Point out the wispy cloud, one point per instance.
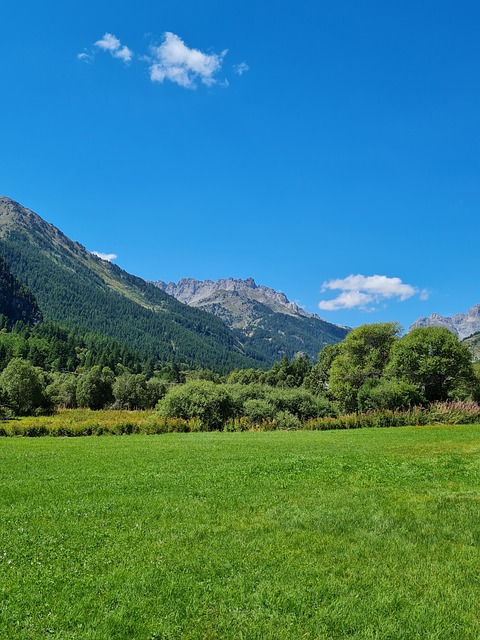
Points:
(173, 60)
(241, 68)
(112, 44)
(358, 291)
(86, 56)
(105, 256)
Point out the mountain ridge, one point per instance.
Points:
(76, 287)
(463, 325)
(192, 291)
(223, 328)
(263, 316)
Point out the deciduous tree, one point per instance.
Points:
(363, 355)
(433, 359)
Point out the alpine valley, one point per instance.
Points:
(266, 320)
(220, 326)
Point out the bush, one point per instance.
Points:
(241, 393)
(87, 423)
(300, 403)
(23, 387)
(156, 390)
(287, 421)
(388, 394)
(62, 390)
(130, 391)
(433, 359)
(258, 411)
(202, 399)
(94, 388)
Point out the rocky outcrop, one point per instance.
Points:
(463, 324)
(205, 292)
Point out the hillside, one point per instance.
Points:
(473, 343)
(76, 288)
(463, 324)
(17, 303)
(263, 318)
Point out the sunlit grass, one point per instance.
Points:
(345, 534)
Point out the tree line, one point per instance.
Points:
(374, 368)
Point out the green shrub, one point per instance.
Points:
(241, 424)
(258, 411)
(23, 387)
(300, 403)
(62, 390)
(287, 421)
(94, 388)
(433, 359)
(388, 394)
(241, 393)
(202, 399)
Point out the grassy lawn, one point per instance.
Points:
(369, 533)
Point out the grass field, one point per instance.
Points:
(342, 534)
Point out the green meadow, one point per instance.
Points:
(370, 533)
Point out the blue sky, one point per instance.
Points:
(300, 143)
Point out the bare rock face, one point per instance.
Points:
(205, 293)
(463, 324)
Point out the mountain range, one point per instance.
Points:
(76, 288)
(221, 325)
(463, 324)
(264, 318)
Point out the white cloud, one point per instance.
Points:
(347, 300)
(105, 256)
(124, 53)
(174, 61)
(108, 43)
(424, 294)
(111, 43)
(85, 57)
(241, 68)
(381, 285)
(361, 292)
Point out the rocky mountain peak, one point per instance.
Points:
(463, 324)
(195, 292)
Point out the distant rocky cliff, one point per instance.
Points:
(463, 324)
(206, 292)
(264, 316)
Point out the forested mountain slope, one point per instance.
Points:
(473, 343)
(16, 301)
(76, 288)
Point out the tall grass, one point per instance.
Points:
(85, 422)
